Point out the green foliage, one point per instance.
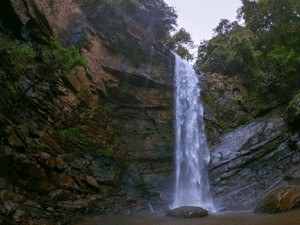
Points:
(232, 51)
(72, 133)
(265, 52)
(180, 42)
(295, 102)
(25, 60)
(58, 58)
(21, 58)
(42, 146)
(108, 152)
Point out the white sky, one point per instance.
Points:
(199, 17)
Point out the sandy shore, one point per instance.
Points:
(229, 218)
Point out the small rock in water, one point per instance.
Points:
(188, 212)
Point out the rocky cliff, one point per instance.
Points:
(99, 140)
(254, 148)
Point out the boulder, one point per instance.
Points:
(280, 199)
(188, 212)
(92, 181)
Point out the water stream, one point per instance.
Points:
(192, 152)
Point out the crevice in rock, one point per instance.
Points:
(9, 19)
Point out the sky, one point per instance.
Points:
(199, 17)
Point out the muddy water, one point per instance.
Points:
(288, 218)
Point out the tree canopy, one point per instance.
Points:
(265, 51)
(179, 42)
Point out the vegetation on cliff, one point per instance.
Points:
(264, 52)
(139, 28)
(38, 63)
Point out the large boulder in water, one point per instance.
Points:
(280, 199)
(188, 212)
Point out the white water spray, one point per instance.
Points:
(192, 152)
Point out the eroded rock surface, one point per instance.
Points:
(253, 149)
(280, 199)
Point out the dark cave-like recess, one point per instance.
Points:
(8, 17)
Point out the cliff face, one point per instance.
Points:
(97, 140)
(254, 147)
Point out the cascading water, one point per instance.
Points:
(192, 152)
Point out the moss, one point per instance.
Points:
(295, 103)
(209, 125)
(109, 152)
(293, 112)
(155, 76)
(42, 146)
(76, 135)
(39, 62)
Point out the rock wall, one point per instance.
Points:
(99, 140)
(253, 148)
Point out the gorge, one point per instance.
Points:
(87, 114)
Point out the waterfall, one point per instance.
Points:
(192, 152)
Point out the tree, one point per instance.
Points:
(276, 21)
(266, 51)
(230, 51)
(180, 42)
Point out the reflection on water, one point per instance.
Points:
(288, 218)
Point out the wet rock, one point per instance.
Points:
(66, 181)
(6, 221)
(51, 162)
(280, 200)
(43, 157)
(55, 163)
(3, 183)
(103, 172)
(19, 215)
(80, 204)
(8, 207)
(80, 164)
(39, 222)
(22, 132)
(60, 195)
(249, 160)
(16, 142)
(36, 171)
(92, 181)
(51, 142)
(60, 163)
(188, 212)
(130, 199)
